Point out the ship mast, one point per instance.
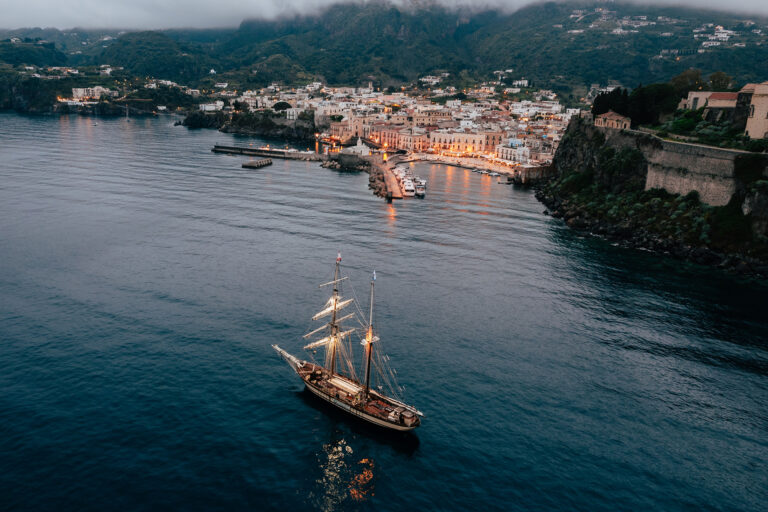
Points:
(333, 351)
(334, 324)
(369, 341)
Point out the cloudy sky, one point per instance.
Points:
(225, 13)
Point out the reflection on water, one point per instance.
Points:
(344, 475)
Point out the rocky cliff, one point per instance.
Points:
(259, 124)
(702, 204)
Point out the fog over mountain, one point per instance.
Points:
(155, 14)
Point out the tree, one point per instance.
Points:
(280, 106)
(647, 104)
(616, 100)
(688, 80)
(719, 81)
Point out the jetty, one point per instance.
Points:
(257, 164)
(288, 154)
(393, 186)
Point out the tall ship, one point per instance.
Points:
(336, 380)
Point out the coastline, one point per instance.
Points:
(631, 237)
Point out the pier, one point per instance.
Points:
(393, 186)
(287, 154)
(257, 164)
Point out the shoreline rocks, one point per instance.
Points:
(626, 236)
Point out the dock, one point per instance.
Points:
(257, 164)
(287, 154)
(393, 186)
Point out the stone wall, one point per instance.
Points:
(680, 168)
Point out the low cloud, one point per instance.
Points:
(155, 14)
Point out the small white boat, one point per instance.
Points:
(408, 189)
(420, 191)
(494, 174)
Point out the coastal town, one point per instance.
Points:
(472, 127)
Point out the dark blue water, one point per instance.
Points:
(143, 279)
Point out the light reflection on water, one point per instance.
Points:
(344, 476)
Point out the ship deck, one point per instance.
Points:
(351, 394)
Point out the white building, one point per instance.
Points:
(212, 107)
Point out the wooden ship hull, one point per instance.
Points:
(348, 396)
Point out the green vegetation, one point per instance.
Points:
(27, 94)
(199, 119)
(280, 106)
(171, 97)
(152, 54)
(31, 54)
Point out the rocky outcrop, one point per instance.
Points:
(603, 186)
(347, 163)
(258, 124)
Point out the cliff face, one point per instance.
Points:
(618, 166)
(694, 202)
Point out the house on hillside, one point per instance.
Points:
(695, 100)
(613, 120)
(720, 105)
(757, 119)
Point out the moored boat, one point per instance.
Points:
(409, 190)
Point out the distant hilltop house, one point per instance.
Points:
(613, 120)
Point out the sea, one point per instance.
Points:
(144, 279)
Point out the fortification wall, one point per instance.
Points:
(680, 168)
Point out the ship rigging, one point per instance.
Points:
(336, 381)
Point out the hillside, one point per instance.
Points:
(30, 53)
(157, 55)
(569, 43)
(562, 45)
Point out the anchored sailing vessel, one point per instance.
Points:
(336, 381)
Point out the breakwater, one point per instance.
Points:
(272, 153)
